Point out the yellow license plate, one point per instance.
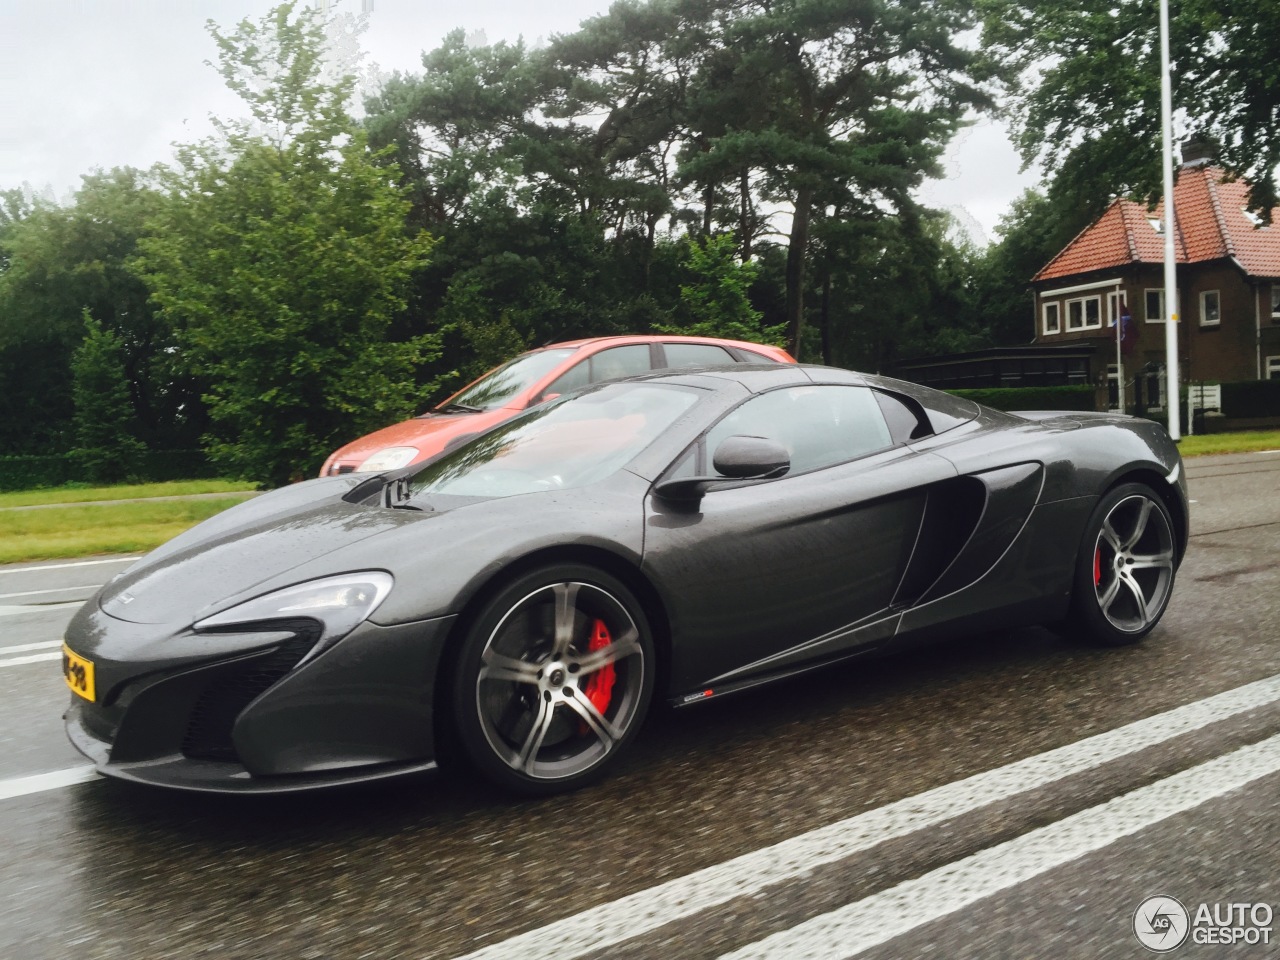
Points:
(78, 672)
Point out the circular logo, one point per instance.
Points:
(1161, 924)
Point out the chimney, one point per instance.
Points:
(1198, 152)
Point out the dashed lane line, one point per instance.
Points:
(28, 647)
(877, 919)
(38, 593)
(67, 566)
(24, 786)
(30, 658)
(640, 913)
(18, 610)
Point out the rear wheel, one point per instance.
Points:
(553, 679)
(1125, 571)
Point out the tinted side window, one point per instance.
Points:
(819, 425)
(695, 354)
(906, 419)
(620, 362)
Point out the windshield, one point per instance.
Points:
(513, 377)
(563, 444)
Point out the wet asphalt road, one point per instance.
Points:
(430, 867)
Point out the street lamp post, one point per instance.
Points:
(1170, 262)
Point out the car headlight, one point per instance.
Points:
(339, 603)
(390, 458)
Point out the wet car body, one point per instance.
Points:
(967, 519)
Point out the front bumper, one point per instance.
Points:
(235, 713)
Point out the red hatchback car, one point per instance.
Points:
(530, 379)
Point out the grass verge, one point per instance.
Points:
(130, 491)
(63, 532)
(1202, 445)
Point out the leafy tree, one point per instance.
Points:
(716, 302)
(1089, 104)
(106, 449)
(59, 261)
(283, 258)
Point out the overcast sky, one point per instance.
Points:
(87, 84)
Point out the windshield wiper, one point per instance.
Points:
(459, 408)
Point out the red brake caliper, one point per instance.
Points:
(600, 685)
(1097, 566)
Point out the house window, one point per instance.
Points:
(1084, 314)
(1053, 316)
(1155, 305)
(1210, 309)
(1273, 368)
(1275, 303)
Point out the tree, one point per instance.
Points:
(715, 303)
(106, 450)
(59, 261)
(851, 104)
(282, 259)
(1088, 107)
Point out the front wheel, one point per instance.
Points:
(1125, 570)
(553, 679)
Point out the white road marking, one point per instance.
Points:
(22, 786)
(67, 566)
(27, 647)
(30, 658)
(14, 611)
(635, 915)
(877, 919)
(36, 593)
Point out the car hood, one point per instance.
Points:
(430, 433)
(226, 560)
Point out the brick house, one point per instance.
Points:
(1228, 288)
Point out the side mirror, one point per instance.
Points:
(746, 458)
(737, 458)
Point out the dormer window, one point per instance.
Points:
(1156, 225)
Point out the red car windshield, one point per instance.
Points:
(512, 378)
(559, 445)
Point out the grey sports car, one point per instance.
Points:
(524, 598)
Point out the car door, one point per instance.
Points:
(762, 577)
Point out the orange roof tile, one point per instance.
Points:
(1211, 225)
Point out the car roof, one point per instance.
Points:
(758, 377)
(623, 339)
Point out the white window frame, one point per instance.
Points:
(1057, 317)
(1204, 312)
(1159, 292)
(1271, 369)
(1084, 313)
(1113, 307)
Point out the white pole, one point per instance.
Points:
(1115, 304)
(1170, 255)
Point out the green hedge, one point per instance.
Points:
(1032, 398)
(1251, 398)
(28, 473)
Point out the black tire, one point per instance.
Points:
(553, 679)
(1125, 568)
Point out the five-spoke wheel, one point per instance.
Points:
(1125, 572)
(553, 679)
